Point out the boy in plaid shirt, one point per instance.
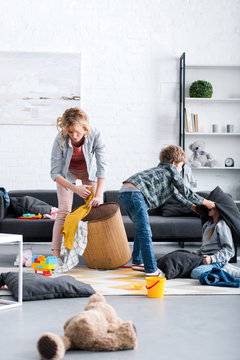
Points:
(148, 190)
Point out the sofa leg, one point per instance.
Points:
(181, 244)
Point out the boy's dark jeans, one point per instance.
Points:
(134, 204)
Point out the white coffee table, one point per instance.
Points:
(8, 239)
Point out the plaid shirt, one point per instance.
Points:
(158, 184)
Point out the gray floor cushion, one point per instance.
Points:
(178, 263)
(39, 287)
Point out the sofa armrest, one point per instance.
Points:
(3, 210)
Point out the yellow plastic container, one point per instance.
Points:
(155, 286)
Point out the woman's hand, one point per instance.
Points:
(82, 191)
(95, 202)
(207, 260)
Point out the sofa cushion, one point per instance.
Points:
(39, 287)
(169, 228)
(176, 227)
(178, 263)
(172, 207)
(32, 230)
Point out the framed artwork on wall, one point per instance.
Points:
(37, 87)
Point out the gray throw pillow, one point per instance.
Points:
(39, 287)
(28, 204)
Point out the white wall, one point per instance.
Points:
(130, 57)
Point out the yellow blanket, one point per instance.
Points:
(71, 222)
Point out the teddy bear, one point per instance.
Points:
(97, 328)
(200, 157)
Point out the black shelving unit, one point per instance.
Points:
(227, 141)
(182, 102)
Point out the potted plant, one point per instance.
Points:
(201, 89)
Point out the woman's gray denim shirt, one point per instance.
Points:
(94, 153)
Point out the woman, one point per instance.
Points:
(78, 153)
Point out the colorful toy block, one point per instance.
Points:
(30, 216)
(43, 265)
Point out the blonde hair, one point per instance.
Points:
(172, 153)
(71, 117)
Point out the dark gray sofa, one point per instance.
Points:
(179, 229)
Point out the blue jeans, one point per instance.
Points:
(199, 270)
(134, 204)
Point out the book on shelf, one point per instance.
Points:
(188, 120)
(191, 121)
(193, 125)
(196, 122)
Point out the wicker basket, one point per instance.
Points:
(107, 246)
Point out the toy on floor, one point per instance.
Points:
(26, 258)
(97, 328)
(43, 265)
